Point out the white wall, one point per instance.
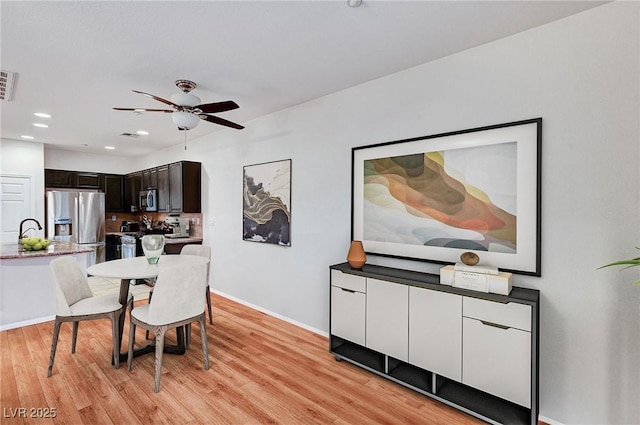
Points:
(580, 75)
(77, 161)
(23, 158)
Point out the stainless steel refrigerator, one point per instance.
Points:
(77, 217)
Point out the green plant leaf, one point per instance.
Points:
(633, 262)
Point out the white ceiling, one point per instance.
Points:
(78, 59)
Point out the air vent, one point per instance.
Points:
(6, 85)
(130, 134)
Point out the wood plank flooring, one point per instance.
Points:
(263, 371)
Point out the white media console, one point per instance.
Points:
(475, 351)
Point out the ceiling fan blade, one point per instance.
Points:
(212, 108)
(159, 99)
(144, 110)
(221, 121)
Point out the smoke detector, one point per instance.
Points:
(7, 80)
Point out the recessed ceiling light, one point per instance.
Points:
(28, 137)
(142, 132)
(109, 147)
(42, 115)
(37, 124)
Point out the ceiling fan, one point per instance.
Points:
(187, 110)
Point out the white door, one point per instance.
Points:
(15, 205)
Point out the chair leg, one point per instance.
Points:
(187, 335)
(124, 311)
(146, 334)
(74, 337)
(115, 335)
(205, 345)
(132, 332)
(54, 344)
(209, 305)
(160, 331)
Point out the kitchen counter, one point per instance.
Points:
(187, 240)
(167, 241)
(27, 293)
(15, 251)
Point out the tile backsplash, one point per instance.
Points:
(111, 225)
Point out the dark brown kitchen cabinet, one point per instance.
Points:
(59, 178)
(72, 179)
(163, 189)
(185, 187)
(114, 192)
(149, 179)
(175, 187)
(86, 180)
(132, 188)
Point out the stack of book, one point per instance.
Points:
(477, 278)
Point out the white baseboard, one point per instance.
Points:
(549, 421)
(271, 313)
(27, 323)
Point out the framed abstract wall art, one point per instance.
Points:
(433, 198)
(266, 207)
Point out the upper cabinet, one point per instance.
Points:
(71, 179)
(114, 192)
(149, 179)
(178, 185)
(163, 188)
(132, 188)
(185, 187)
(59, 178)
(86, 180)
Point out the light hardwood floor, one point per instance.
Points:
(263, 371)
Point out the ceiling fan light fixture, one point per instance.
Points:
(185, 120)
(185, 99)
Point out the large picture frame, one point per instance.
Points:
(266, 206)
(433, 198)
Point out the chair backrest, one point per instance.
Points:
(70, 283)
(178, 294)
(201, 250)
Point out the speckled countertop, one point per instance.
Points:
(190, 239)
(15, 251)
(167, 241)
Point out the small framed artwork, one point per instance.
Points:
(436, 197)
(266, 206)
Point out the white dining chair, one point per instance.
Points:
(178, 300)
(76, 302)
(202, 251)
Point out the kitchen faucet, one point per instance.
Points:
(22, 222)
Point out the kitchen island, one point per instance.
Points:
(26, 283)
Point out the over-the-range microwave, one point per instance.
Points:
(149, 200)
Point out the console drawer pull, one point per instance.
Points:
(494, 325)
(348, 290)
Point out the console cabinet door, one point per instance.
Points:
(496, 353)
(347, 314)
(387, 324)
(435, 332)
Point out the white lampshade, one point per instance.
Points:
(185, 120)
(185, 99)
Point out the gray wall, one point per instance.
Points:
(580, 75)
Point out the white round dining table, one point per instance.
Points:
(139, 268)
(127, 269)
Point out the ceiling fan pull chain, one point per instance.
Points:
(185, 139)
